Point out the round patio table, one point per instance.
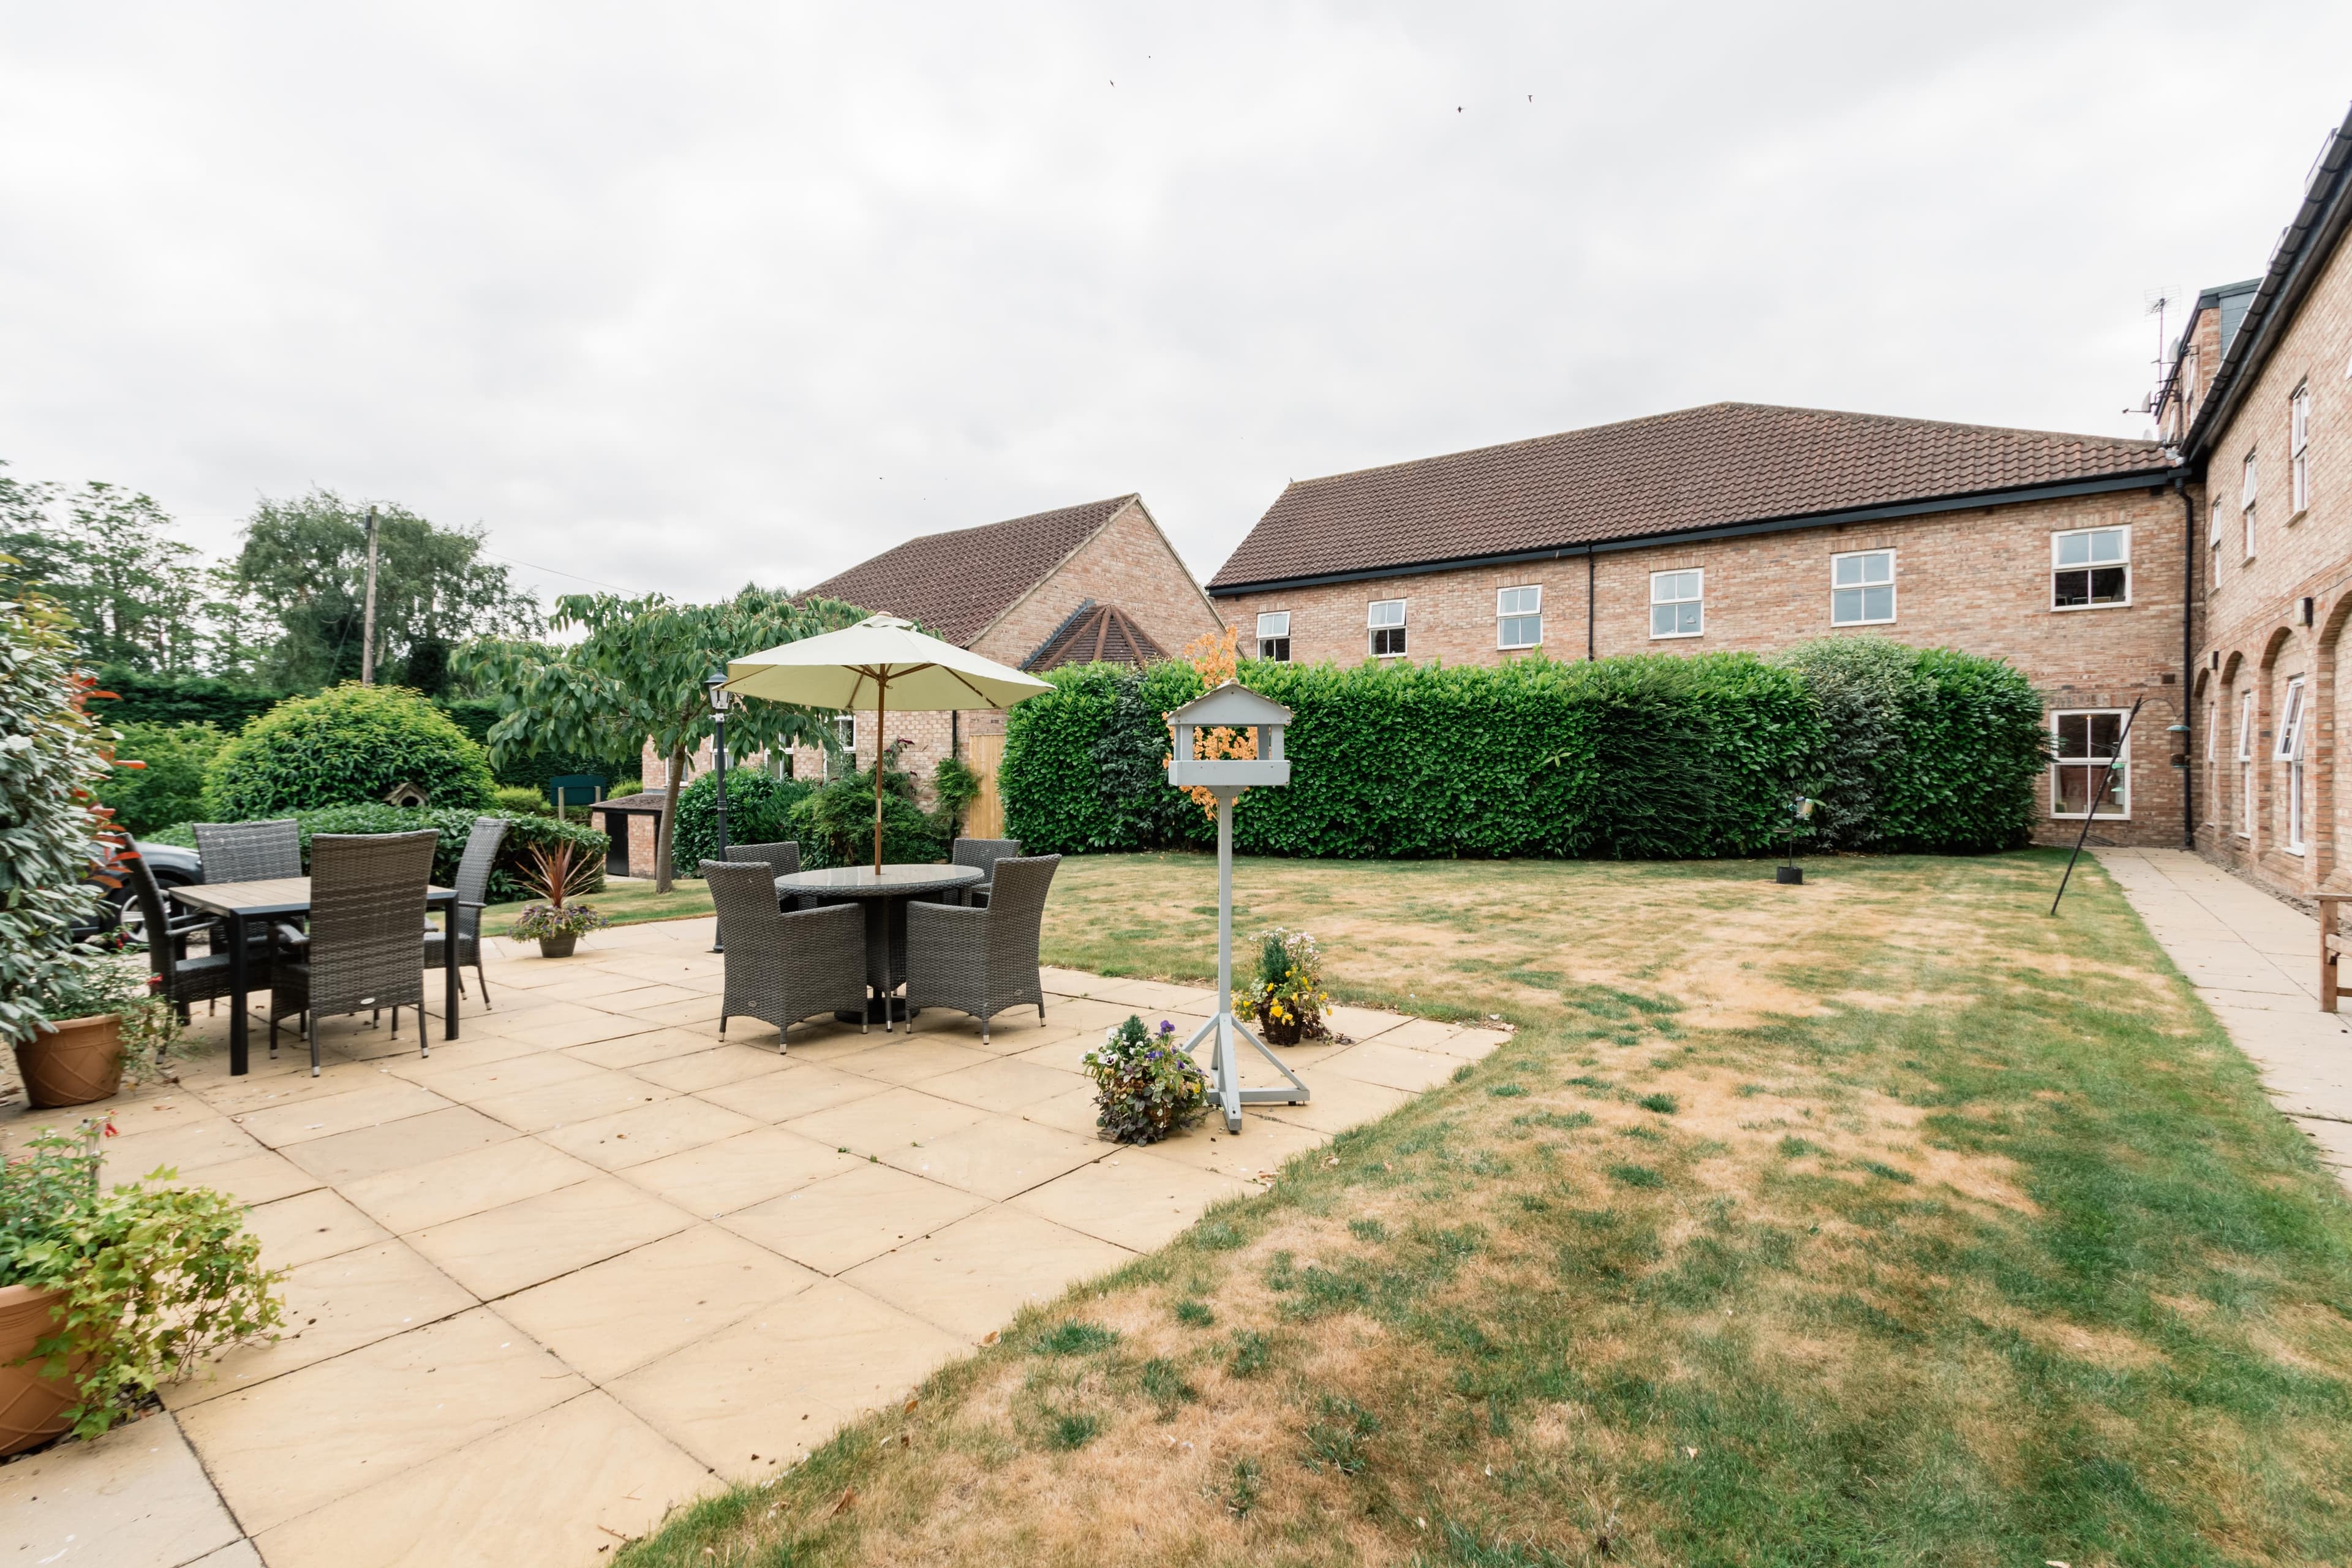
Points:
(885, 896)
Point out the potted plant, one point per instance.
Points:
(1288, 999)
(104, 1297)
(1145, 1086)
(95, 1013)
(556, 874)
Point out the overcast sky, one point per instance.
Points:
(673, 297)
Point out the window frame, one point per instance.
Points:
(2298, 450)
(2122, 603)
(2212, 763)
(2248, 494)
(1261, 640)
(1375, 627)
(1894, 600)
(1504, 617)
(2059, 762)
(2288, 747)
(1699, 598)
(2245, 761)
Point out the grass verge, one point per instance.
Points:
(623, 903)
(1885, 1220)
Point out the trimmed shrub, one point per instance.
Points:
(1649, 756)
(171, 788)
(759, 811)
(1930, 748)
(453, 824)
(141, 697)
(349, 745)
(519, 800)
(835, 824)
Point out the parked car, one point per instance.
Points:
(172, 866)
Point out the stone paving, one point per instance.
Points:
(2254, 961)
(589, 1261)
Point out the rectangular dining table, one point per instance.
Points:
(279, 897)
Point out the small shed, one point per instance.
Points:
(633, 824)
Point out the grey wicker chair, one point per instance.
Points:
(982, 960)
(473, 897)
(983, 853)
(180, 979)
(367, 900)
(249, 851)
(783, 968)
(783, 859)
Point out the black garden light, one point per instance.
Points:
(1800, 812)
(715, 683)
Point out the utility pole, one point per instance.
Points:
(367, 644)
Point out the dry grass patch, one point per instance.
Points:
(1972, 1258)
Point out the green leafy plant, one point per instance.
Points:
(1288, 997)
(954, 786)
(348, 745)
(759, 811)
(1145, 1087)
(834, 825)
(521, 800)
(154, 1278)
(52, 755)
(159, 774)
(557, 875)
(97, 983)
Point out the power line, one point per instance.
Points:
(536, 567)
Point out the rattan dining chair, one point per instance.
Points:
(473, 897)
(782, 858)
(983, 853)
(784, 967)
(367, 897)
(249, 851)
(982, 960)
(178, 978)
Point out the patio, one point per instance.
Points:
(586, 1262)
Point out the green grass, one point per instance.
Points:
(623, 903)
(1968, 1239)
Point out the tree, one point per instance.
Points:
(304, 563)
(139, 598)
(637, 674)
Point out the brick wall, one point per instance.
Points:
(2253, 636)
(1977, 579)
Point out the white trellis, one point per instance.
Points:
(1234, 707)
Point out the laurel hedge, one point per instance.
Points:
(1649, 756)
(524, 832)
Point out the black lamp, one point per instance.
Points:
(715, 683)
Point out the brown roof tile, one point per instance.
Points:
(1095, 634)
(954, 584)
(1699, 467)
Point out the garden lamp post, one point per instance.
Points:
(716, 684)
(1232, 706)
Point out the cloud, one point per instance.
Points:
(678, 297)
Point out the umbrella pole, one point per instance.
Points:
(881, 727)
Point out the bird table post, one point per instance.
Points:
(1232, 706)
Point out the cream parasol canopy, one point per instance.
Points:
(882, 663)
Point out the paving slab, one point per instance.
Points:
(135, 1497)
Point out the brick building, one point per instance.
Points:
(2258, 405)
(1739, 527)
(1093, 582)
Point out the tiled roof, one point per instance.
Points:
(955, 584)
(1095, 634)
(1723, 464)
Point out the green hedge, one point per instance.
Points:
(169, 787)
(1649, 756)
(350, 745)
(759, 811)
(144, 699)
(453, 824)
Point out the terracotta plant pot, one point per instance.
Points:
(1275, 1031)
(79, 1062)
(31, 1406)
(558, 946)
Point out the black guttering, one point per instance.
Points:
(2144, 478)
(2302, 250)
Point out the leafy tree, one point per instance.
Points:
(139, 598)
(637, 674)
(304, 563)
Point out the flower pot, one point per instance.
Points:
(558, 946)
(81, 1060)
(32, 1407)
(1277, 1031)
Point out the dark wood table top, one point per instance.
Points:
(275, 896)
(894, 882)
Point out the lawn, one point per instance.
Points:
(1883, 1220)
(626, 903)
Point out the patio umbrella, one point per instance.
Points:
(884, 662)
